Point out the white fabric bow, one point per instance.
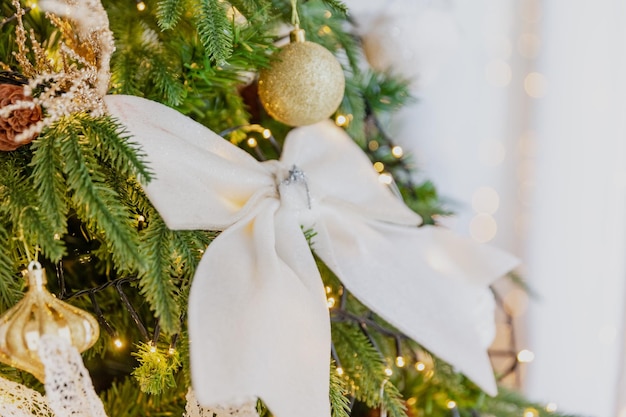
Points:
(258, 318)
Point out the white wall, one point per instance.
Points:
(532, 105)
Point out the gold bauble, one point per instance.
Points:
(41, 313)
(304, 85)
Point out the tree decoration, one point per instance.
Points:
(20, 401)
(258, 314)
(75, 82)
(305, 82)
(39, 314)
(19, 120)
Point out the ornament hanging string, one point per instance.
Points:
(295, 18)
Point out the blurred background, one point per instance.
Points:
(521, 123)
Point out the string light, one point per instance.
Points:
(451, 404)
(373, 145)
(325, 30)
(118, 343)
(379, 167)
(57, 237)
(530, 412)
(330, 302)
(328, 289)
(171, 351)
(411, 401)
(525, 356)
(551, 407)
(341, 120)
(141, 6)
(420, 366)
(266, 133)
(397, 152)
(388, 371)
(400, 362)
(385, 178)
(339, 371)
(252, 142)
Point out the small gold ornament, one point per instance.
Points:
(304, 85)
(41, 313)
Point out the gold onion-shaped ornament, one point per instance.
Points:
(303, 85)
(41, 313)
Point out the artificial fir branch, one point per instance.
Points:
(337, 6)
(251, 9)
(339, 401)
(114, 147)
(143, 65)
(9, 282)
(157, 282)
(215, 30)
(126, 399)
(169, 13)
(95, 202)
(26, 223)
(157, 368)
(49, 180)
(364, 370)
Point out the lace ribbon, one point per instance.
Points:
(193, 409)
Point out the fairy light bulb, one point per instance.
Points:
(252, 142)
(339, 371)
(530, 412)
(379, 167)
(141, 6)
(388, 371)
(266, 133)
(400, 362)
(451, 404)
(117, 342)
(420, 366)
(39, 314)
(397, 152)
(525, 356)
(341, 120)
(551, 407)
(385, 178)
(171, 351)
(330, 302)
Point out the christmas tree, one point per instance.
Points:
(195, 250)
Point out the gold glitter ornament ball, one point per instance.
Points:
(304, 85)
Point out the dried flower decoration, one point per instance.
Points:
(16, 129)
(74, 81)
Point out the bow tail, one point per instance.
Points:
(259, 327)
(424, 281)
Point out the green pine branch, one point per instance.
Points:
(339, 401)
(10, 284)
(49, 181)
(365, 370)
(96, 203)
(26, 222)
(157, 368)
(215, 30)
(251, 8)
(169, 13)
(337, 5)
(157, 281)
(114, 147)
(126, 399)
